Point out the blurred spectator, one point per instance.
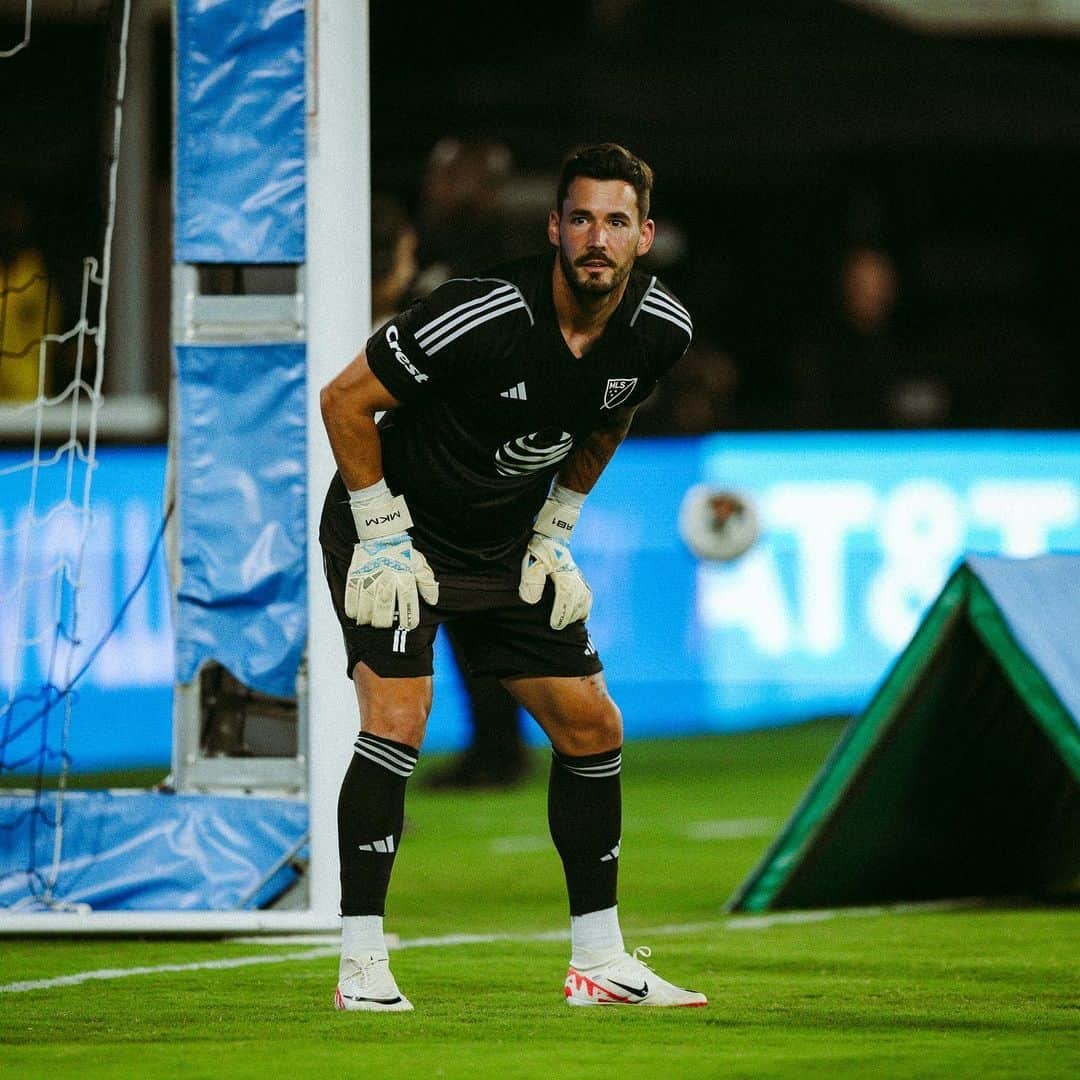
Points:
(696, 397)
(855, 369)
(29, 304)
(497, 755)
(463, 226)
(393, 257)
(989, 308)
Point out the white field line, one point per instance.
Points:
(733, 828)
(799, 918)
(202, 965)
(515, 845)
(392, 940)
(722, 829)
(755, 922)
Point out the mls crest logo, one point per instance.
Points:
(617, 391)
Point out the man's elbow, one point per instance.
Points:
(330, 400)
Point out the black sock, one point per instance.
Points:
(585, 817)
(371, 812)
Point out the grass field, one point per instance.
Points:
(987, 992)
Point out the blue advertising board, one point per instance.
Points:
(859, 533)
(58, 609)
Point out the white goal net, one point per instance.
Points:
(74, 561)
(52, 362)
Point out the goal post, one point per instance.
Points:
(339, 304)
(327, 317)
(330, 307)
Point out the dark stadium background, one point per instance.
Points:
(782, 131)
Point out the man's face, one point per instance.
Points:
(599, 234)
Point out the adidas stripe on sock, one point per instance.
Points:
(395, 756)
(371, 814)
(585, 818)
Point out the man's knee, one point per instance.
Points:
(593, 732)
(397, 721)
(394, 709)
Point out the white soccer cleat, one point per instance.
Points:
(627, 981)
(366, 985)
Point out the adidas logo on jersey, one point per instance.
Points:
(386, 847)
(515, 393)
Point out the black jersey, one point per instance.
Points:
(493, 400)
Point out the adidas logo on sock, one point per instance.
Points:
(612, 855)
(385, 846)
(515, 393)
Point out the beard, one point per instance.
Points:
(585, 283)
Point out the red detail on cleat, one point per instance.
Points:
(338, 1003)
(602, 994)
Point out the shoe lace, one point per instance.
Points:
(641, 954)
(366, 967)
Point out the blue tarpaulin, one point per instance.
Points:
(240, 139)
(242, 599)
(1039, 599)
(145, 851)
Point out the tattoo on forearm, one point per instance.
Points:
(583, 467)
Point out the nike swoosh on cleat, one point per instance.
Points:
(633, 989)
(374, 1001)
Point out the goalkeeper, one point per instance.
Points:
(504, 397)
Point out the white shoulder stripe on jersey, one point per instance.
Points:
(655, 301)
(674, 306)
(637, 310)
(503, 287)
(498, 281)
(468, 305)
(663, 313)
(426, 340)
(515, 305)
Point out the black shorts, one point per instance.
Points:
(498, 634)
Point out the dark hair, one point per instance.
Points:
(607, 161)
(389, 222)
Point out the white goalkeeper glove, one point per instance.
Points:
(548, 555)
(387, 574)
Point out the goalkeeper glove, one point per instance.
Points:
(548, 555)
(387, 574)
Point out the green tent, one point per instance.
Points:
(962, 778)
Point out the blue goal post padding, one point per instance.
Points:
(150, 851)
(241, 499)
(240, 131)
